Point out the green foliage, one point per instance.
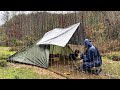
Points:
(5, 53)
(13, 40)
(3, 63)
(4, 39)
(16, 42)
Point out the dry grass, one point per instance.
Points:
(70, 72)
(110, 69)
(108, 46)
(41, 72)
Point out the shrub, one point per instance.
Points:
(3, 63)
(108, 46)
(115, 57)
(14, 49)
(19, 43)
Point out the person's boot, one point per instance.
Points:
(98, 71)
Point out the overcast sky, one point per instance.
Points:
(1, 14)
(1, 22)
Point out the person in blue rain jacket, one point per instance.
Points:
(91, 58)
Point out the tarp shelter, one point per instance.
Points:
(38, 53)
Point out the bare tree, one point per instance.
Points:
(6, 15)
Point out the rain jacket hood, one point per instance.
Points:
(88, 43)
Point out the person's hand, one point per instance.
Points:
(81, 61)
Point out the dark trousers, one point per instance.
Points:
(93, 70)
